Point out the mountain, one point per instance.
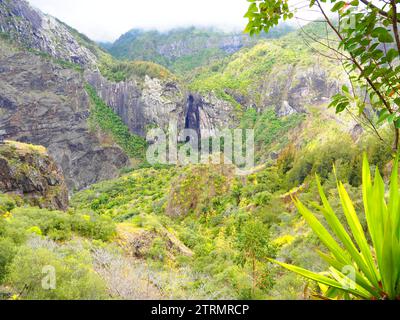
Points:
(46, 67)
(52, 65)
(77, 193)
(92, 112)
(41, 32)
(183, 49)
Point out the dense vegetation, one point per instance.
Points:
(244, 76)
(184, 49)
(33, 238)
(367, 45)
(368, 273)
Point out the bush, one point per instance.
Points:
(74, 277)
(58, 225)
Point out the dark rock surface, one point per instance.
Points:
(45, 104)
(29, 172)
(36, 30)
(150, 103)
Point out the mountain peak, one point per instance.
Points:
(38, 31)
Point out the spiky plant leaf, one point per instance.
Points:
(376, 266)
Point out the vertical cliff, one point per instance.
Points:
(44, 103)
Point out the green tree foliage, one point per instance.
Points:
(253, 242)
(183, 49)
(118, 71)
(27, 274)
(269, 128)
(33, 238)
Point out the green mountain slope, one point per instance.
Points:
(271, 72)
(183, 49)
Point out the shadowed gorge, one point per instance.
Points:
(192, 120)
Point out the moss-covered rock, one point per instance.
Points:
(28, 171)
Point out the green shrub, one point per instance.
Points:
(74, 276)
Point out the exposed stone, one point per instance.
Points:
(29, 172)
(153, 103)
(47, 105)
(356, 132)
(138, 242)
(42, 32)
(295, 88)
(207, 114)
(285, 110)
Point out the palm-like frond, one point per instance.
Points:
(376, 265)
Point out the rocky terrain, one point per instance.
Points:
(151, 103)
(45, 104)
(45, 66)
(42, 32)
(27, 171)
(183, 49)
(77, 193)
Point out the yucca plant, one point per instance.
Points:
(376, 262)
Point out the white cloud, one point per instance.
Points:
(105, 20)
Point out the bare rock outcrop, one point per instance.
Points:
(28, 171)
(141, 105)
(42, 32)
(46, 104)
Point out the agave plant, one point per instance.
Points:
(375, 263)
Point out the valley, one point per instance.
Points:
(77, 192)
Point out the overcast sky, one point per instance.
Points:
(106, 20)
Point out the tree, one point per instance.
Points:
(368, 46)
(253, 242)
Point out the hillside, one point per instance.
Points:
(47, 103)
(181, 50)
(274, 72)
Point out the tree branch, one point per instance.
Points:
(394, 22)
(360, 68)
(380, 11)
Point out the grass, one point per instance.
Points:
(26, 148)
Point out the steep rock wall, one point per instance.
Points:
(45, 104)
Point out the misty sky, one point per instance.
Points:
(106, 20)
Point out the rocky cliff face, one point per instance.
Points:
(182, 49)
(159, 103)
(142, 105)
(206, 114)
(43, 102)
(295, 88)
(176, 43)
(29, 172)
(42, 32)
(46, 104)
